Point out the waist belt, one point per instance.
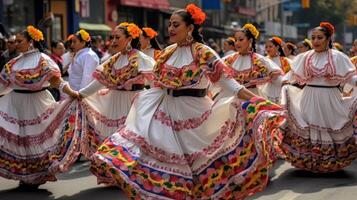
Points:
(30, 91)
(324, 86)
(187, 92)
(135, 87)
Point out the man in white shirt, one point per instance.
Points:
(84, 62)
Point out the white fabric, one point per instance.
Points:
(30, 60)
(270, 90)
(67, 59)
(145, 63)
(93, 87)
(21, 106)
(277, 61)
(230, 52)
(323, 110)
(105, 57)
(154, 113)
(82, 67)
(150, 52)
(104, 105)
(340, 62)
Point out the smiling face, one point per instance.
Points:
(242, 43)
(178, 30)
(271, 49)
(319, 40)
(120, 40)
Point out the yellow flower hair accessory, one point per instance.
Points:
(84, 35)
(251, 28)
(34, 33)
(133, 30)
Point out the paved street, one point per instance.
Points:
(286, 183)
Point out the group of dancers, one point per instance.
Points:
(177, 123)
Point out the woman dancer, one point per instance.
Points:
(148, 42)
(256, 72)
(176, 142)
(123, 75)
(274, 49)
(35, 131)
(319, 132)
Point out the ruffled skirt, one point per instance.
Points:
(320, 127)
(190, 148)
(37, 136)
(103, 113)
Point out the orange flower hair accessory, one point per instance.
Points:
(196, 13)
(251, 28)
(133, 30)
(328, 26)
(150, 32)
(277, 40)
(70, 37)
(84, 35)
(34, 33)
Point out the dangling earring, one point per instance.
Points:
(128, 48)
(30, 47)
(189, 37)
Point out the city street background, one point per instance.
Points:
(286, 183)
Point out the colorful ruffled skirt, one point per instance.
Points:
(319, 130)
(190, 148)
(38, 136)
(102, 114)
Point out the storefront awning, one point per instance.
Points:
(94, 27)
(153, 4)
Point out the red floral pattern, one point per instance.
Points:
(39, 138)
(28, 122)
(108, 122)
(328, 71)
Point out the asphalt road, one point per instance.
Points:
(286, 183)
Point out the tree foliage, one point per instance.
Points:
(334, 11)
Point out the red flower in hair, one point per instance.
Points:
(328, 26)
(196, 13)
(278, 40)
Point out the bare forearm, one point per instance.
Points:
(245, 94)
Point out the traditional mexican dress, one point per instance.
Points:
(178, 144)
(257, 73)
(320, 123)
(283, 62)
(153, 53)
(37, 134)
(104, 111)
